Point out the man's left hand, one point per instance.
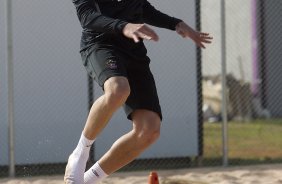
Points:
(198, 37)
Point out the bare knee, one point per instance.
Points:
(146, 127)
(117, 90)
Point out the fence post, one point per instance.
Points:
(10, 80)
(223, 79)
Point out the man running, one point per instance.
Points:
(114, 54)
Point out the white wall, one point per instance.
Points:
(51, 85)
(50, 82)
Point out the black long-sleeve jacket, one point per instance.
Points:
(113, 16)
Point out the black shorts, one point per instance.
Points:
(102, 63)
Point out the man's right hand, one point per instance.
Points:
(139, 31)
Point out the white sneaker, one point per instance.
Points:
(74, 173)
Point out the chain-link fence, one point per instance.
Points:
(53, 93)
(50, 87)
(253, 72)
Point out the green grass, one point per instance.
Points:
(255, 140)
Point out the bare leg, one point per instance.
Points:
(116, 92)
(146, 129)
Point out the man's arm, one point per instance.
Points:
(91, 19)
(156, 18)
(199, 38)
(159, 19)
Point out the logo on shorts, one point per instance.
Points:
(112, 64)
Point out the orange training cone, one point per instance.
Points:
(153, 178)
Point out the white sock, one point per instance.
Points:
(83, 145)
(77, 161)
(94, 174)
